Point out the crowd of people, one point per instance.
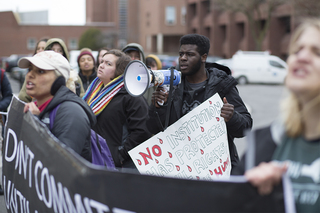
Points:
(96, 98)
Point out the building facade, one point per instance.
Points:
(155, 24)
(229, 32)
(17, 38)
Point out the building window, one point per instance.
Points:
(170, 15)
(31, 43)
(183, 15)
(73, 44)
(286, 23)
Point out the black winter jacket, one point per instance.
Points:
(262, 144)
(123, 124)
(87, 81)
(73, 121)
(220, 82)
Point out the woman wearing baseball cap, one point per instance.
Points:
(45, 81)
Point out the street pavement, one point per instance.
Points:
(262, 101)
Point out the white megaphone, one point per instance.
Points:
(138, 78)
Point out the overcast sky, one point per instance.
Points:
(61, 12)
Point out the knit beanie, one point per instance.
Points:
(85, 52)
(156, 58)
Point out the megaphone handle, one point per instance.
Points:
(169, 99)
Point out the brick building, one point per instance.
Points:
(156, 24)
(229, 32)
(18, 38)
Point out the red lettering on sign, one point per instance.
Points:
(225, 164)
(160, 140)
(218, 173)
(145, 156)
(156, 153)
(139, 162)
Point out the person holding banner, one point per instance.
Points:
(121, 118)
(200, 81)
(291, 145)
(45, 81)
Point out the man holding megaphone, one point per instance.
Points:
(200, 81)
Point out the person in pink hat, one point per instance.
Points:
(45, 82)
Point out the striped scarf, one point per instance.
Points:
(98, 96)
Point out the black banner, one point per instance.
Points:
(40, 174)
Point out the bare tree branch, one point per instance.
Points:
(258, 13)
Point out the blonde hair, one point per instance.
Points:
(292, 111)
(70, 82)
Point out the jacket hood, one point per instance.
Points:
(61, 42)
(137, 46)
(64, 94)
(218, 66)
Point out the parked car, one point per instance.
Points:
(213, 59)
(18, 74)
(168, 61)
(256, 67)
(12, 61)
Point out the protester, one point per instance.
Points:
(41, 45)
(154, 63)
(200, 81)
(135, 51)
(292, 145)
(101, 52)
(87, 71)
(74, 83)
(46, 80)
(22, 94)
(121, 118)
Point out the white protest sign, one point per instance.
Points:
(194, 147)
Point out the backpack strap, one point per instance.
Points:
(2, 74)
(97, 140)
(53, 115)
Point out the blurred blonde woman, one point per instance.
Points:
(293, 146)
